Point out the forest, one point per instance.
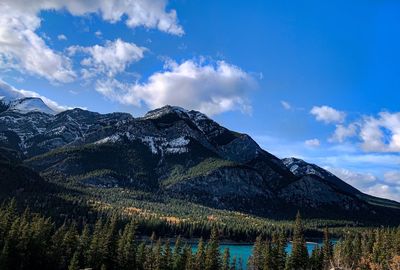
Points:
(32, 241)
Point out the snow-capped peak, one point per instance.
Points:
(30, 104)
(8, 93)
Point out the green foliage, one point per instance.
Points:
(212, 257)
(299, 257)
(206, 166)
(30, 241)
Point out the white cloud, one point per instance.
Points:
(110, 59)
(370, 184)
(149, 14)
(61, 37)
(385, 191)
(98, 33)
(211, 88)
(328, 114)
(392, 177)
(22, 49)
(382, 133)
(343, 132)
(11, 93)
(356, 179)
(312, 143)
(286, 105)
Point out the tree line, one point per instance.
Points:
(31, 241)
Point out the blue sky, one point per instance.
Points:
(310, 79)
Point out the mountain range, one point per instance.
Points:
(173, 152)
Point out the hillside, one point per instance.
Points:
(171, 154)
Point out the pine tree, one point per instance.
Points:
(327, 250)
(267, 256)
(70, 243)
(200, 255)
(257, 257)
(212, 260)
(233, 263)
(141, 256)
(5, 256)
(74, 263)
(126, 247)
(109, 241)
(176, 256)
(84, 246)
(149, 260)
(226, 260)
(278, 250)
(299, 257)
(316, 259)
(167, 263)
(158, 258)
(187, 251)
(95, 252)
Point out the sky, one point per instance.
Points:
(317, 80)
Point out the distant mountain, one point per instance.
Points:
(184, 155)
(29, 104)
(8, 93)
(13, 100)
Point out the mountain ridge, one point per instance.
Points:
(181, 154)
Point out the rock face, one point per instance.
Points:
(182, 154)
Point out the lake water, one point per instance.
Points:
(244, 251)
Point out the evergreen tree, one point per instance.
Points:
(84, 246)
(267, 256)
(226, 260)
(167, 264)
(141, 256)
(233, 263)
(5, 256)
(278, 250)
(158, 258)
(95, 254)
(74, 263)
(109, 242)
(188, 257)
(126, 247)
(212, 260)
(200, 255)
(316, 259)
(149, 263)
(327, 250)
(299, 257)
(176, 256)
(257, 261)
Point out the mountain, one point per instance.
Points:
(184, 155)
(8, 93)
(29, 104)
(13, 100)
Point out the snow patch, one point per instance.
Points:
(150, 141)
(177, 146)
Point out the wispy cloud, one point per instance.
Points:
(23, 50)
(312, 143)
(328, 114)
(112, 58)
(212, 88)
(286, 105)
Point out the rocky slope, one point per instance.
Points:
(181, 154)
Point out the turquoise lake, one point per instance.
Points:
(244, 251)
